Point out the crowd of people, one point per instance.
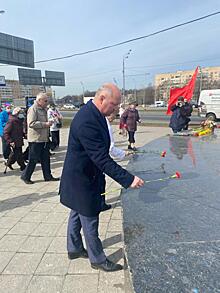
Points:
(37, 126)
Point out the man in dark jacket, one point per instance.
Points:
(186, 111)
(81, 184)
(13, 135)
(178, 119)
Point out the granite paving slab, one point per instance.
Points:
(171, 227)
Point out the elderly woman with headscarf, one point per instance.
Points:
(130, 118)
(13, 134)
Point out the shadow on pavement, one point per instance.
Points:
(111, 240)
(25, 200)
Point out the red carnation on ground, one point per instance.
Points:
(163, 154)
(178, 175)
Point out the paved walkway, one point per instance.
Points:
(33, 255)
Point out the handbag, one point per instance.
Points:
(59, 124)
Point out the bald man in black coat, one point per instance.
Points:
(86, 160)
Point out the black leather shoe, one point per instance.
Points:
(106, 207)
(22, 167)
(52, 179)
(107, 266)
(9, 166)
(74, 255)
(27, 181)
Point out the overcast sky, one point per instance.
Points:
(60, 28)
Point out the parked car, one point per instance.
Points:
(69, 106)
(160, 104)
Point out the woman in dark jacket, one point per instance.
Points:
(130, 118)
(13, 134)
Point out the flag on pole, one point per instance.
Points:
(186, 92)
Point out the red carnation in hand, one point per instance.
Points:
(163, 154)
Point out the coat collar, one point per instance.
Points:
(97, 113)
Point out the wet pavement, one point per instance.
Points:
(171, 227)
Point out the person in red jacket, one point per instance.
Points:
(13, 134)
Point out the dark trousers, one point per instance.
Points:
(26, 154)
(5, 149)
(90, 230)
(131, 137)
(38, 151)
(55, 136)
(16, 156)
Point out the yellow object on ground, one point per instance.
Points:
(203, 132)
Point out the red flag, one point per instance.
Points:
(191, 152)
(186, 92)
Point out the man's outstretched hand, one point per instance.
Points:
(137, 182)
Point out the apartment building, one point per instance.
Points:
(164, 81)
(14, 90)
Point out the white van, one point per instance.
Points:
(209, 104)
(159, 104)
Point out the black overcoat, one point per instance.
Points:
(86, 160)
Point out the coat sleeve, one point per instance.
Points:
(1, 128)
(173, 107)
(138, 117)
(124, 117)
(7, 132)
(32, 121)
(92, 141)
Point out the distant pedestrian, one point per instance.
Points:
(122, 129)
(4, 116)
(56, 118)
(38, 139)
(13, 135)
(130, 117)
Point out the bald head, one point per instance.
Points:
(107, 98)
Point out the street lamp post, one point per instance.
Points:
(123, 73)
(135, 90)
(82, 89)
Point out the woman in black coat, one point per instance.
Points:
(13, 134)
